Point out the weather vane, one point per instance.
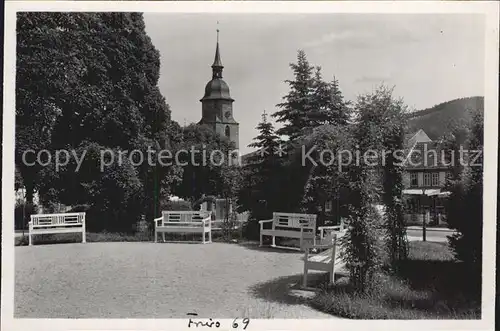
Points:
(217, 31)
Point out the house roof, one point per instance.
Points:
(247, 157)
(426, 155)
(411, 139)
(408, 137)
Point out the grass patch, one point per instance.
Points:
(431, 284)
(430, 251)
(59, 238)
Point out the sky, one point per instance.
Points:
(427, 58)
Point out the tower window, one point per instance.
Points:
(228, 131)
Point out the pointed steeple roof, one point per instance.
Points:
(217, 88)
(217, 61)
(217, 66)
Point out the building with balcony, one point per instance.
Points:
(426, 171)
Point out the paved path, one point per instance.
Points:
(147, 280)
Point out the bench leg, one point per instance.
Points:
(332, 274)
(332, 270)
(304, 279)
(84, 239)
(210, 236)
(163, 236)
(274, 241)
(30, 242)
(203, 236)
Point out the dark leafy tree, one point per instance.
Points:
(325, 148)
(45, 69)
(108, 61)
(363, 250)
(389, 116)
(201, 154)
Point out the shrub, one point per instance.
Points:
(79, 209)
(362, 248)
(430, 284)
(178, 205)
(230, 230)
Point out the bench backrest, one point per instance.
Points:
(184, 216)
(337, 234)
(41, 220)
(295, 221)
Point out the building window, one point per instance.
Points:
(413, 179)
(228, 131)
(328, 205)
(427, 179)
(435, 179)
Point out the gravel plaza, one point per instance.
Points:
(147, 280)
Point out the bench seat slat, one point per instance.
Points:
(287, 234)
(55, 230)
(75, 225)
(182, 230)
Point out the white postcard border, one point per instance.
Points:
(489, 9)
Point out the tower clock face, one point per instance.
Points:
(227, 114)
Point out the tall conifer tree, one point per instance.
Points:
(299, 101)
(259, 192)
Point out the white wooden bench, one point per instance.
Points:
(184, 222)
(325, 231)
(326, 260)
(56, 223)
(290, 225)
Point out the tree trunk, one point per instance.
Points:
(29, 193)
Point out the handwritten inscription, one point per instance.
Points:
(210, 323)
(245, 321)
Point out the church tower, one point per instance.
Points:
(217, 104)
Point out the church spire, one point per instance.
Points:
(217, 66)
